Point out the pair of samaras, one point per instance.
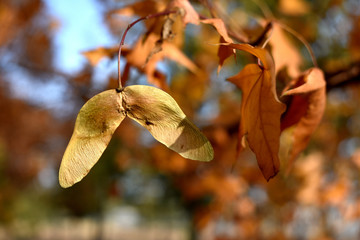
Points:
(153, 108)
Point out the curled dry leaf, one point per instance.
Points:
(144, 56)
(219, 25)
(94, 127)
(261, 109)
(312, 80)
(311, 94)
(159, 113)
(138, 58)
(153, 108)
(189, 15)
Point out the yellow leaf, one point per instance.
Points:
(159, 113)
(94, 127)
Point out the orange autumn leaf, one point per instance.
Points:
(284, 52)
(223, 51)
(294, 7)
(219, 25)
(223, 54)
(261, 109)
(312, 80)
(138, 57)
(96, 55)
(172, 52)
(164, 26)
(141, 8)
(295, 111)
(311, 94)
(188, 13)
(144, 56)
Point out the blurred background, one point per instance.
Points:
(140, 189)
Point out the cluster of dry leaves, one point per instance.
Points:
(266, 109)
(226, 200)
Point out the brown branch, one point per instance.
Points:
(343, 77)
(262, 36)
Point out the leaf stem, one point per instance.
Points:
(166, 12)
(269, 28)
(264, 8)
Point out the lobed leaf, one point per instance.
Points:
(260, 109)
(260, 117)
(94, 127)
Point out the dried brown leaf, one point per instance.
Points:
(188, 13)
(311, 94)
(96, 55)
(260, 109)
(311, 80)
(140, 8)
(220, 27)
(138, 58)
(284, 52)
(223, 51)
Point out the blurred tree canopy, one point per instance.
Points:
(139, 185)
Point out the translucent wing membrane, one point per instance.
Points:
(159, 113)
(94, 127)
(153, 108)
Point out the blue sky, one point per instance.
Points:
(81, 28)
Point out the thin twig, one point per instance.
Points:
(259, 39)
(342, 77)
(269, 27)
(264, 9)
(167, 12)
